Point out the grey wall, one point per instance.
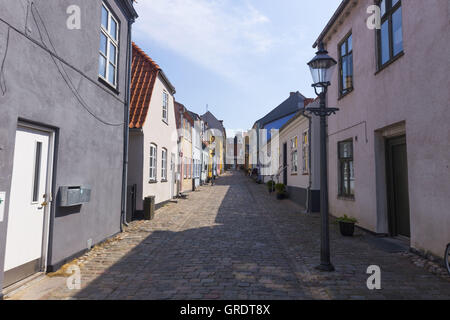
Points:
(88, 151)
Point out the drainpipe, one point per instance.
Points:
(126, 132)
(308, 196)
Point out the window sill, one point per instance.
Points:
(166, 122)
(109, 85)
(305, 174)
(343, 95)
(294, 174)
(153, 181)
(387, 64)
(346, 198)
(164, 180)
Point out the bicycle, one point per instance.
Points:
(447, 258)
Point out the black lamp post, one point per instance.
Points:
(322, 67)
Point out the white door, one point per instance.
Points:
(27, 206)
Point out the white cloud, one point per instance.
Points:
(220, 35)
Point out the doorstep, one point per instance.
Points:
(22, 285)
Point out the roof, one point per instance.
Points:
(180, 109)
(330, 23)
(144, 72)
(127, 6)
(289, 106)
(301, 112)
(194, 115)
(213, 122)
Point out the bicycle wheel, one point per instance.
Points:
(447, 258)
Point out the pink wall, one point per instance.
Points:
(414, 90)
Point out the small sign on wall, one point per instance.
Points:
(2, 205)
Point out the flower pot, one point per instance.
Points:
(347, 228)
(280, 196)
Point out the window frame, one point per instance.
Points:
(165, 107)
(109, 41)
(341, 57)
(163, 164)
(387, 16)
(153, 158)
(305, 152)
(341, 176)
(294, 151)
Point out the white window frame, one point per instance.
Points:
(163, 164)
(109, 41)
(165, 107)
(153, 164)
(294, 155)
(305, 152)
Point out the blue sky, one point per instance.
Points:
(241, 57)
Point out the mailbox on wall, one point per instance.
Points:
(73, 196)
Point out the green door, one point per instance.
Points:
(398, 195)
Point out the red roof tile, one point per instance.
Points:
(144, 73)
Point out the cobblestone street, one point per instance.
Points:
(235, 241)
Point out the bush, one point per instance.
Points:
(346, 219)
(280, 188)
(270, 184)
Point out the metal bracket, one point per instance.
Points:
(322, 111)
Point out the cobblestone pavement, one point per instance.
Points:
(235, 241)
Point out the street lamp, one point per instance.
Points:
(322, 67)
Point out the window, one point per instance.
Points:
(294, 155)
(37, 171)
(109, 43)
(305, 152)
(185, 168)
(189, 168)
(164, 164)
(390, 38)
(346, 66)
(346, 171)
(165, 107)
(187, 130)
(153, 153)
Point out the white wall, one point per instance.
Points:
(294, 129)
(164, 135)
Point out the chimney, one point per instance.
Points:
(293, 94)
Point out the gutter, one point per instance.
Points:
(126, 131)
(163, 75)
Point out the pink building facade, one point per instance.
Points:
(389, 145)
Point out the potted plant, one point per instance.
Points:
(347, 225)
(270, 185)
(280, 189)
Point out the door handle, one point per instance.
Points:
(45, 202)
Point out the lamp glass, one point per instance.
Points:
(322, 66)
